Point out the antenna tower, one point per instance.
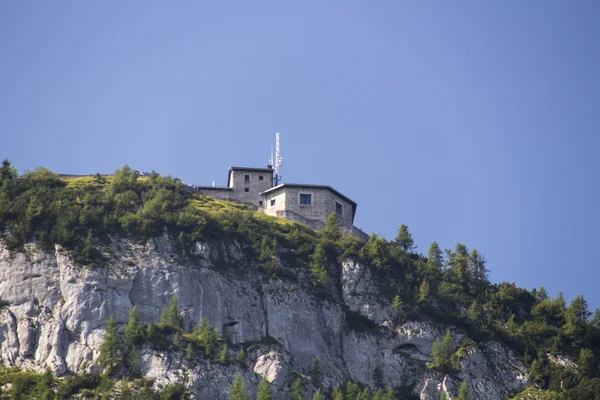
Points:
(278, 161)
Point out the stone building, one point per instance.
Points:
(307, 204)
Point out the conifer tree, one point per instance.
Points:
(442, 350)
(316, 372)
(479, 271)
(238, 391)
(424, 292)
(133, 327)
(404, 238)
(435, 258)
(189, 352)
(337, 394)
(317, 265)
(111, 348)
(224, 356)
(463, 392)
(170, 315)
(332, 229)
(318, 395)
(202, 331)
(264, 390)
(443, 395)
(241, 355)
(396, 303)
(7, 171)
(297, 389)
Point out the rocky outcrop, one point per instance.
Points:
(58, 311)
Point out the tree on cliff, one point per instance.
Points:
(238, 391)
(111, 350)
(170, 316)
(404, 239)
(317, 265)
(332, 229)
(264, 390)
(7, 171)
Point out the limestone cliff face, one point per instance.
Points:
(58, 311)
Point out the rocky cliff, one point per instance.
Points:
(58, 310)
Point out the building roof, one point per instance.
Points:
(302, 185)
(213, 187)
(250, 169)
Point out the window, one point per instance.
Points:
(260, 177)
(272, 202)
(246, 190)
(260, 203)
(338, 208)
(305, 199)
(246, 178)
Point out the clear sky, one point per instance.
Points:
(470, 121)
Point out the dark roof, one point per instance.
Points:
(267, 170)
(302, 185)
(213, 187)
(251, 169)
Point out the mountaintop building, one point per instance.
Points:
(308, 204)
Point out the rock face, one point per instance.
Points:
(58, 311)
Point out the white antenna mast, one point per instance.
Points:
(278, 160)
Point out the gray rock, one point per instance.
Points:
(58, 311)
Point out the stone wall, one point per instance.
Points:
(254, 185)
(217, 193)
(323, 204)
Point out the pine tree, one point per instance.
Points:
(224, 356)
(332, 230)
(317, 265)
(133, 327)
(297, 389)
(479, 271)
(443, 395)
(189, 352)
(316, 372)
(318, 395)
(238, 391)
(170, 315)
(424, 292)
(396, 303)
(264, 390)
(404, 238)
(241, 355)
(337, 394)
(111, 348)
(203, 330)
(463, 392)
(435, 258)
(364, 395)
(7, 171)
(586, 363)
(442, 350)
(474, 311)
(211, 343)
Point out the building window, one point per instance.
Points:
(260, 203)
(305, 199)
(338, 208)
(246, 178)
(272, 202)
(246, 190)
(260, 177)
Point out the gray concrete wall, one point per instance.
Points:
(323, 204)
(254, 185)
(217, 193)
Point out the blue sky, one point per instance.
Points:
(468, 121)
